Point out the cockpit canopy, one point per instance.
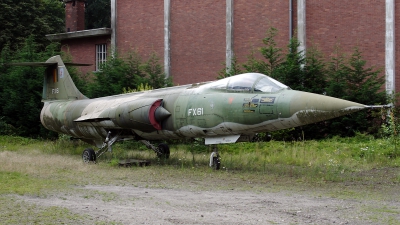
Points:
(247, 82)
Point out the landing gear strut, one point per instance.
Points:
(89, 155)
(162, 150)
(215, 160)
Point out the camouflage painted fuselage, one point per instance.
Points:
(221, 112)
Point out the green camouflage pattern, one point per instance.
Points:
(223, 111)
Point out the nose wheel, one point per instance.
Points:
(215, 160)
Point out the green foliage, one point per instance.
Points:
(351, 80)
(142, 87)
(291, 70)
(354, 81)
(390, 131)
(154, 74)
(97, 14)
(21, 90)
(341, 77)
(36, 18)
(21, 86)
(231, 71)
(314, 79)
(272, 54)
(122, 74)
(336, 86)
(330, 160)
(111, 79)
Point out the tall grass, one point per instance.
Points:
(329, 159)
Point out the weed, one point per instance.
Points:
(328, 159)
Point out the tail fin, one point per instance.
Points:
(58, 84)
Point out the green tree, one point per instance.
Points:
(97, 14)
(354, 81)
(314, 77)
(291, 70)
(110, 80)
(337, 73)
(341, 77)
(154, 74)
(234, 69)
(364, 83)
(23, 18)
(272, 59)
(272, 54)
(128, 73)
(21, 90)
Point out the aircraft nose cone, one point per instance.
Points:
(312, 108)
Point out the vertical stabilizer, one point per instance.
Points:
(58, 84)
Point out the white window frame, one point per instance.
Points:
(101, 55)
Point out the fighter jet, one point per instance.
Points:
(229, 110)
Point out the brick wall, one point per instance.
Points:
(140, 27)
(74, 15)
(198, 31)
(348, 24)
(197, 40)
(83, 50)
(252, 19)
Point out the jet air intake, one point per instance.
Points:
(143, 114)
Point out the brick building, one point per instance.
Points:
(195, 38)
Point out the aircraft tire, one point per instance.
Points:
(216, 163)
(88, 155)
(164, 149)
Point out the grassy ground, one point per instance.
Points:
(357, 168)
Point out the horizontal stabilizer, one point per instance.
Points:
(45, 64)
(31, 64)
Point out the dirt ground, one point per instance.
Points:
(141, 205)
(100, 194)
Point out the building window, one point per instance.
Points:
(101, 55)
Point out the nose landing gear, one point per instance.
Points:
(215, 160)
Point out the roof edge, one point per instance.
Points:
(79, 34)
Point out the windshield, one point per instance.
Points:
(242, 83)
(248, 82)
(269, 85)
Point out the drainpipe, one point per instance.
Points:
(113, 27)
(167, 38)
(229, 35)
(290, 19)
(301, 25)
(390, 48)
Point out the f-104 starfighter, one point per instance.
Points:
(224, 111)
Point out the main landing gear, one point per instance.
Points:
(89, 155)
(162, 150)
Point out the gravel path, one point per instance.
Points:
(139, 205)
